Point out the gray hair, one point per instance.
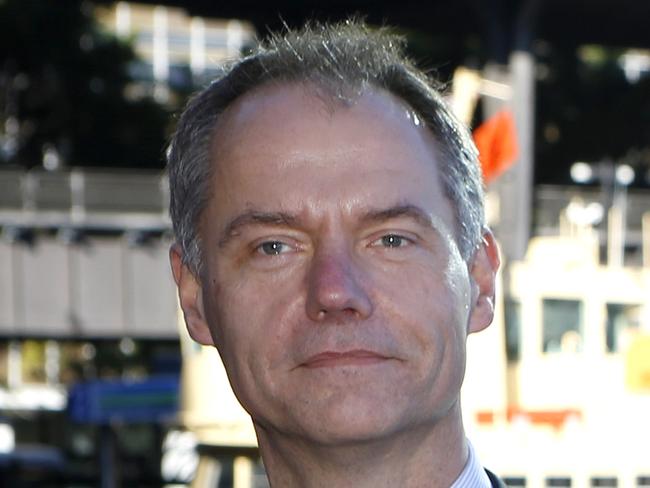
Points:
(344, 58)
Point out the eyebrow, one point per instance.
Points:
(410, 211)
(254, 217)
(374, 216)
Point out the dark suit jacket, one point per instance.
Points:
(496, 482)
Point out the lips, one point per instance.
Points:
(357, 357)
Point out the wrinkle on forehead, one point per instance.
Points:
(264, 106)
(324, 97)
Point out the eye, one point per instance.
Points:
(273, 248)
(392, 240)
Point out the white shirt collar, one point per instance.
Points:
(473, 474)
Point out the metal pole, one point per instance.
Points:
(107, 465)
(522, 69)
(242, 472)
(615, 237)
(645, 229)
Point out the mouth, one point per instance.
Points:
(331, 359)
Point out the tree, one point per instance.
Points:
(62, 85)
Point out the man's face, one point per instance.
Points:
(333, 288)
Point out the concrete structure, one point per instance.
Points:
(85, 255)
(176, 50)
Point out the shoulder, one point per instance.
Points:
(494, 479)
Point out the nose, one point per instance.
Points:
(335, 291)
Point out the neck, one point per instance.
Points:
(431, 457)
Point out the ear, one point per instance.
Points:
(483, 272)
(190, 297)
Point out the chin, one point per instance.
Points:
(355, 423)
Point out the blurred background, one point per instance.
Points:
(100, 386)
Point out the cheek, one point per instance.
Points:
(255, 320)
(429, 306)
(258, 333)
(438, 290)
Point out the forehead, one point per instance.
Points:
(290, 109)
(291, 146)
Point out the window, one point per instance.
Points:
(513, 329)
(180, 77)
(140, 71)
(623, 321)
(562, 323)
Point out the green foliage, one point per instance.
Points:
(62, 83)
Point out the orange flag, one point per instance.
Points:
(496, 140)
